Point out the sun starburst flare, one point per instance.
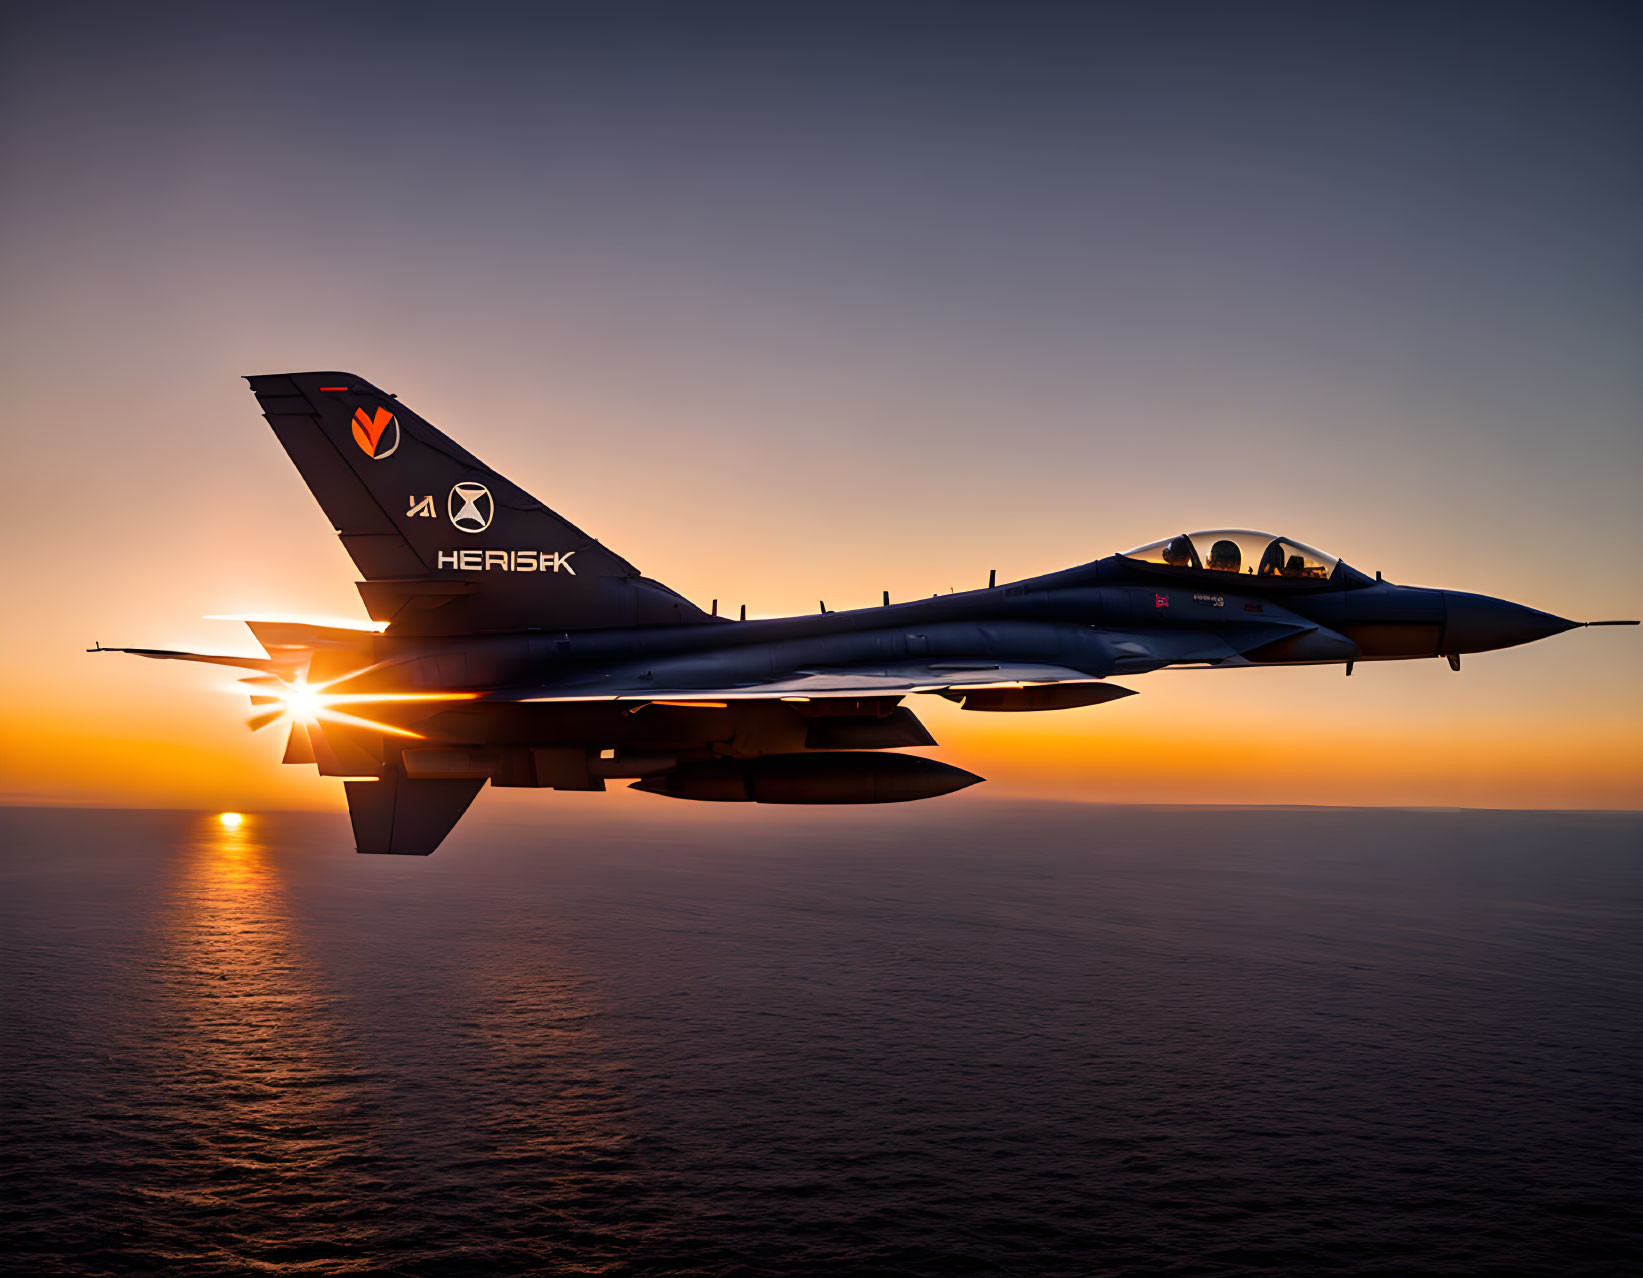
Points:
(299, 702)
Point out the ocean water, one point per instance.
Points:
(952, 1038)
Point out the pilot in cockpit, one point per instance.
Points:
(1240, 552)
(1224, 556)
(1180, 554)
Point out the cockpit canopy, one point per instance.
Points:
(1238, 550)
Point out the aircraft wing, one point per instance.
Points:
(893, 680)
(293, 648)
(692, 680)
(268, 665)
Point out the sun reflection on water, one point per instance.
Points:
(254, 1055)
(313, 1065)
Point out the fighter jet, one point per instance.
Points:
(514, 648)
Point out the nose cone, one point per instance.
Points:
(1478, 623)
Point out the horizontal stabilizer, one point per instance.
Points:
(275, 635)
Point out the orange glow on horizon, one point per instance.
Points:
(1229, 738)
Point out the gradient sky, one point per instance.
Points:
(793, 302)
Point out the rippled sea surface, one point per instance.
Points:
(952, 1038)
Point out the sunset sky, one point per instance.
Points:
(808, 301)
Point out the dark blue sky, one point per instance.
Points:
(1201, 209)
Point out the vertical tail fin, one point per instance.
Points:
(445, 544)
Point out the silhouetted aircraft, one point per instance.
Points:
(520, 651)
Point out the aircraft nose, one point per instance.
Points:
(1479, 623)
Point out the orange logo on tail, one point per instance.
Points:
(373, 435)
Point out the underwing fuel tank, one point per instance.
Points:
(834, 777)
(1053, 696)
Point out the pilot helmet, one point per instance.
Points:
(1224, 556)
(1180, 554)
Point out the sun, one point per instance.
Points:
(231, 819)
(313, 705)
(303, 702)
